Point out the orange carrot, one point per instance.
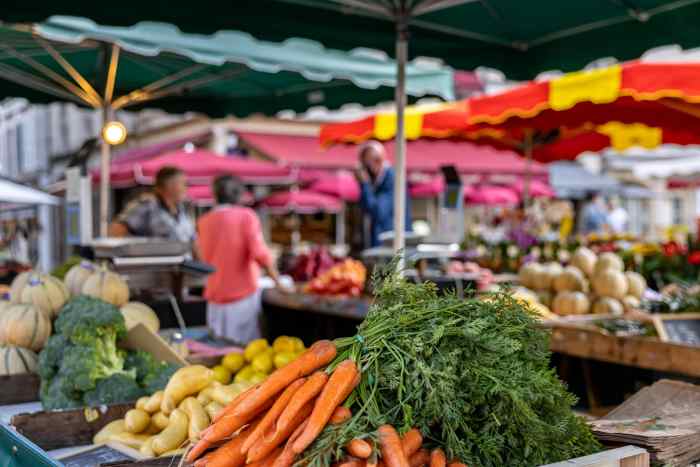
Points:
(269, 460)
(228, 454)
(420, 459)
(234, 403)
(272, 414)
(228, 425)
(340, 415)
(311, 388)
(351, 462)
(359, 448)
(286, 458)
(320, 354)
(271, 439)
(341, 383)
(373, 461)
(392, 452)
(411, 442)
(437, 458)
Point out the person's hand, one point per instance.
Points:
(362, 175)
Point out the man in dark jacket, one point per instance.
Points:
(376, 179)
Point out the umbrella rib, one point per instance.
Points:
(25, 79)
(368, 6)
(464, 34)
(428, 6)
(138, 94)
(112, 74)
(50, 74)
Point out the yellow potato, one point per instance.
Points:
(173, 452)
(152, 428)
(136, 420)
(112, 428)
(174, 435)
(131, 440)
(160, 420)
(203, 397)
(199, 419)
(213, 408)
(185, 382)
(146, 448)
(224, 395)
(153, 404)
(141, 403)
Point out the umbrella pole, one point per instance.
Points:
(400, 156)
(106, 155)
(528, 168)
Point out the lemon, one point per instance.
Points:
(257, 377)
(245, 374)
(262, 363)
(233, 361)
(254, 348)
(222, 374)
(298, 344)
(269, 352)
(282, 358)
(283, 344)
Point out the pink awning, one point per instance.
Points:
(340, 184)
(537, 188)
(427, 189)
(424, 155)
(202, 195)
(490, 195)
(302, 202)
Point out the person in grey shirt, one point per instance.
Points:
(160, 214)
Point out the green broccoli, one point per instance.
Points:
(83, 365)
(117, 388)
(160, 377)
(51, 356)
(53, 396)
(142, 363)
(85, 319)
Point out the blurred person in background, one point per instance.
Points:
(594, 215)
(159, 214)
(618, 219)
(230, 238)
(376, 178)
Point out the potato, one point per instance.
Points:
(131, 440)
(152, 428)
(224, 395)
(185, 382)
(141, 403)
(174, 452)
(136, 420)
(117, 426)
(213, 408)
(199, 419)
(153, 404)
(146, 448)
(160, 420)
(174, 435)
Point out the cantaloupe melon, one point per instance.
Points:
(18, 284)
(77, 275)
(570, 279)
(608, 260)
(545, 278)
(108, 286)
(24, 326)
(584, 259)
(137, 312)
(17, 361)
(608, 306)
(570, 303)
(636, 284)
(610, 283)
(630, 303)
(529, 273)
(46, 293)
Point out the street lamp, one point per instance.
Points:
(114, 133)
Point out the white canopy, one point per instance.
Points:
(16, 193)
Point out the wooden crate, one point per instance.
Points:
(66, 428)
(580, 340)
(17, 389)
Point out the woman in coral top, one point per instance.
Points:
(230, 238)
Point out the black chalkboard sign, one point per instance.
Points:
(97, 455)
(681, 328)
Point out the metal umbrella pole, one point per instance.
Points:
(400, 155)
(105, 158)
(528, 168)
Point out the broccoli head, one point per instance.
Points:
(83, 365)
(85, 319)
(142, 363)
(159, 378)
(54, 397)
(117, 388)
(51, 356)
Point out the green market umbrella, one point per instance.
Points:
(111, 68)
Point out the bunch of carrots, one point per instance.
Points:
(274, 422)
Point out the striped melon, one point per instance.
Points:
(18, 285)
(46, 293)
(108, 286)
(24, 326)
(17, 361)
(137, 312)
(77, 275)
